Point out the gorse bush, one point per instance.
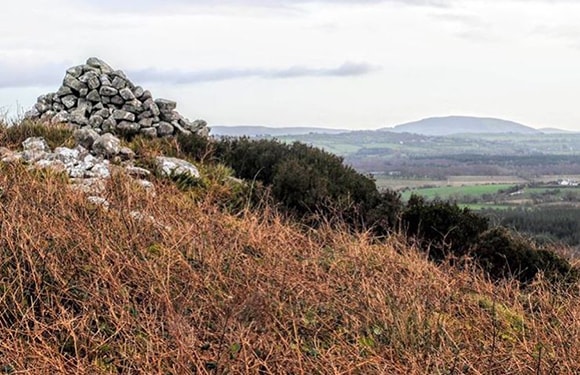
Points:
(304, 179)
(442, 228)
(503, 254)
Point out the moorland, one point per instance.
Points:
(277, 259)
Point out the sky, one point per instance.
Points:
(353, 64)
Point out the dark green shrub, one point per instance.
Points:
(385, 215)
(442, 228)
(195, 146)
(502, 254)
(303, 179)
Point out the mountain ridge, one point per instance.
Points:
(451, 125)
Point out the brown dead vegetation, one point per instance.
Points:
(194, 289)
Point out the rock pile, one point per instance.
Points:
(96, 96)
(88, 163)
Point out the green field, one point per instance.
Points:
(455, 192)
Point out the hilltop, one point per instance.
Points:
(196, 283)
(442, 126)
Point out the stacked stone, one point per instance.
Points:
(96, 96)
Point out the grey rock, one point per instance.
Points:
(117, 100)
(94, 96)
(41, 107)
(145, 114)
(57, 107)
(138, 91)
(126, 153)
(73, 83)
(199, 124)
(179, 128)
(108, 91)
(84, 104)
(128, 127)
(120, 114)
(79, 116)
(168, 166)
(98, 107)
(169, 116)
(55, 165)
(165, 105)
(47, 116)
(146, 122)
(105, 80)
(106, 100)
(106, 145)
(35, 144)
(32, 113)
(109, 124)
(83, 92)
(64, 91)
(95, 121)
(75, 71)
(133, 106)
(149, 132)
(119, 83)
(94, 83)
(91, 79)
(68, 156)
(146, 95)
(85, 137)
(120, 74)
(165, 129)
(35, 148)
(104, 113)
(86, 77)
(99, 64)
(61, 117)
(45, 99)
(99, 170)
(150, 105)
(127, 94)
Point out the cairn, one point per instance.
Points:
(96, 96)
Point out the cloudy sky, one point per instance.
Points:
(337, 63)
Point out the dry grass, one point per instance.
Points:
(197, 290)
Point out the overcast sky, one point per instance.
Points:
(358, 64)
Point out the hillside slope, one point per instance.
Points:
(185, 287)
(440, 126)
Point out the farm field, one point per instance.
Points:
(458, 192)
(489, 192)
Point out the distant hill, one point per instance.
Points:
(257, 131)
(556, 131)
(441, 126)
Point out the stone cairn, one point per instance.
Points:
(99, 103)
(95, 96)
